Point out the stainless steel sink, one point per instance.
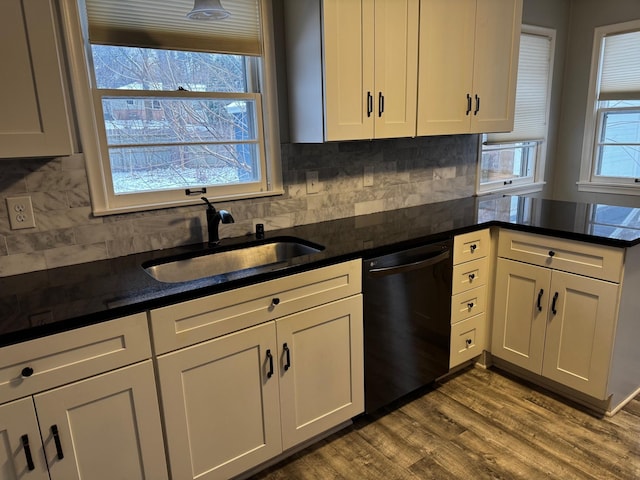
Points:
(261, 255)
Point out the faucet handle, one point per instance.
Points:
(208, 203)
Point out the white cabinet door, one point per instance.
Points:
(366, 51)
(348, 68)
(321, 360)
(468, 65)
(580, 332)
(497, 44)
(396, 68)
(104, 428)
(21, 455)
(445, 80)
(221, 404)
(34, 118)
(520, 313)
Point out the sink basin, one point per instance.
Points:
(262, 255)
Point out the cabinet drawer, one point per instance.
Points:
(468, 303)
(194, 321)
(587, 259)
(69, 356)
(470, 246)
(470, 275)
(467, 339)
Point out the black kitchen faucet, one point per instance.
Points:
(214, 217)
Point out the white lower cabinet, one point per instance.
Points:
(238, 400)
(98, 426)
(221, 406)
(108, 427)
(21, 455)
(556, 324)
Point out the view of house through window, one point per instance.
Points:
(516, 159)
(176, 119)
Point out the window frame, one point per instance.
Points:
(88, 103)
(534, 182)
(588, 180)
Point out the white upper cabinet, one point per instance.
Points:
(468, 65)
(34, 122)
(352, 68)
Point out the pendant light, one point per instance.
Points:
(207, 10)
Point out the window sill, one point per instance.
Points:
(520, 189)
(611, 188)
(100, 211)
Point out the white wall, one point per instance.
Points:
(551, 14)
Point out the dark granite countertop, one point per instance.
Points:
(45, 302)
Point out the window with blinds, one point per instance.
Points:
(179, 104)
(611, 144)
(617, 145)
(516, 159)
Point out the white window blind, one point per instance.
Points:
(163, 24)
(620, 77)
(532, 91)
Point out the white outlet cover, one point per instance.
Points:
(20, 212)
(313, 184)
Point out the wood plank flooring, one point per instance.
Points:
(478, 424)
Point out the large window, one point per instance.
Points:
(515, 160)
(611, 152)
(178, 106)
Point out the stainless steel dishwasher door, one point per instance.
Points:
(407, 321)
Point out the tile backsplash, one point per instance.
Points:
(406, 172)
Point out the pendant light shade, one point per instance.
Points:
(207, 10)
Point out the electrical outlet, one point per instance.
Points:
(20, 212)
(313, 185)
(367, 179)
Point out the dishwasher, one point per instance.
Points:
(407, 320)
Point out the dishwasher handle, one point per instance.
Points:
(407, 267)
